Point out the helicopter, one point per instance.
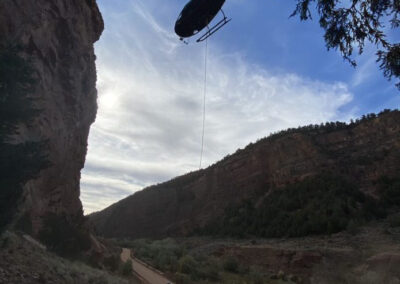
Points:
(196, 15)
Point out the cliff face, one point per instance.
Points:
(364, 151)
(58, 37)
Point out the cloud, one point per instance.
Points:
(149, 122)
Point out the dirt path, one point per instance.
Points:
(143, 271)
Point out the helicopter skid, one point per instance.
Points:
(214, 29)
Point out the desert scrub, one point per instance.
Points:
(231, 264)
(394, 220)
(162, 254)
(127, 268)
(112, 262)
(187, 265)
(181, 278)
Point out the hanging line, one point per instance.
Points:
(204, 102)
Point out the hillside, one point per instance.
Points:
(25, 261)
(362, 157)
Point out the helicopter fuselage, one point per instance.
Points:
(196, 15)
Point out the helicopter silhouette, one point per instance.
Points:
(196, 15)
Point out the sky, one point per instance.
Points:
(265, 72)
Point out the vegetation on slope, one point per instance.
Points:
(315, 129)
(324, 204)
(358, 152)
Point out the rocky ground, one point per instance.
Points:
(22, 260)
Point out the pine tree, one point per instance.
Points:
(348, 24)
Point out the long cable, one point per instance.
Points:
(204, 102)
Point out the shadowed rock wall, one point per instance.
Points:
(58, 37)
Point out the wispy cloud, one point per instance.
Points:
(148, 127)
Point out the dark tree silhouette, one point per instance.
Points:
(348, 24)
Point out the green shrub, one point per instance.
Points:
(394, 221)
(24, 224)
(181, 278)
(112, 262)
(127, 269)
(390, 188)
(4, 242)
(353, 227)
(209, 270)
(187, 265)
(231, 264)
(98, 280)
(256, 277)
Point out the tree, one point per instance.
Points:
(348, 24)
(19, 162)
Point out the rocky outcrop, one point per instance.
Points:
(58, 37)
(365, 151)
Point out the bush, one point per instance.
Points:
(127, 269)
(231, 265)
(112, 262)
(394, 221)
(209, 271)
(182, 278)
(187, 265)
(390, 192)
(353, 227)
(256, 277)
(98, 280)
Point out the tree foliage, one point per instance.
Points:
(23, 161)
(324, 204)
(349, 24)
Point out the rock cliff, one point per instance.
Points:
(58, 37)
(365, 150)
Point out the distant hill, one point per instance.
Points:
(311, 180)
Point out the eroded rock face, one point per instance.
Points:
(58, 37)
(364, 151)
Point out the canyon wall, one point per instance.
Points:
(58, 37)
(364, 151)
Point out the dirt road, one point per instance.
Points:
(146, 273)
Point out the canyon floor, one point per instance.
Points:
(369, 254)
